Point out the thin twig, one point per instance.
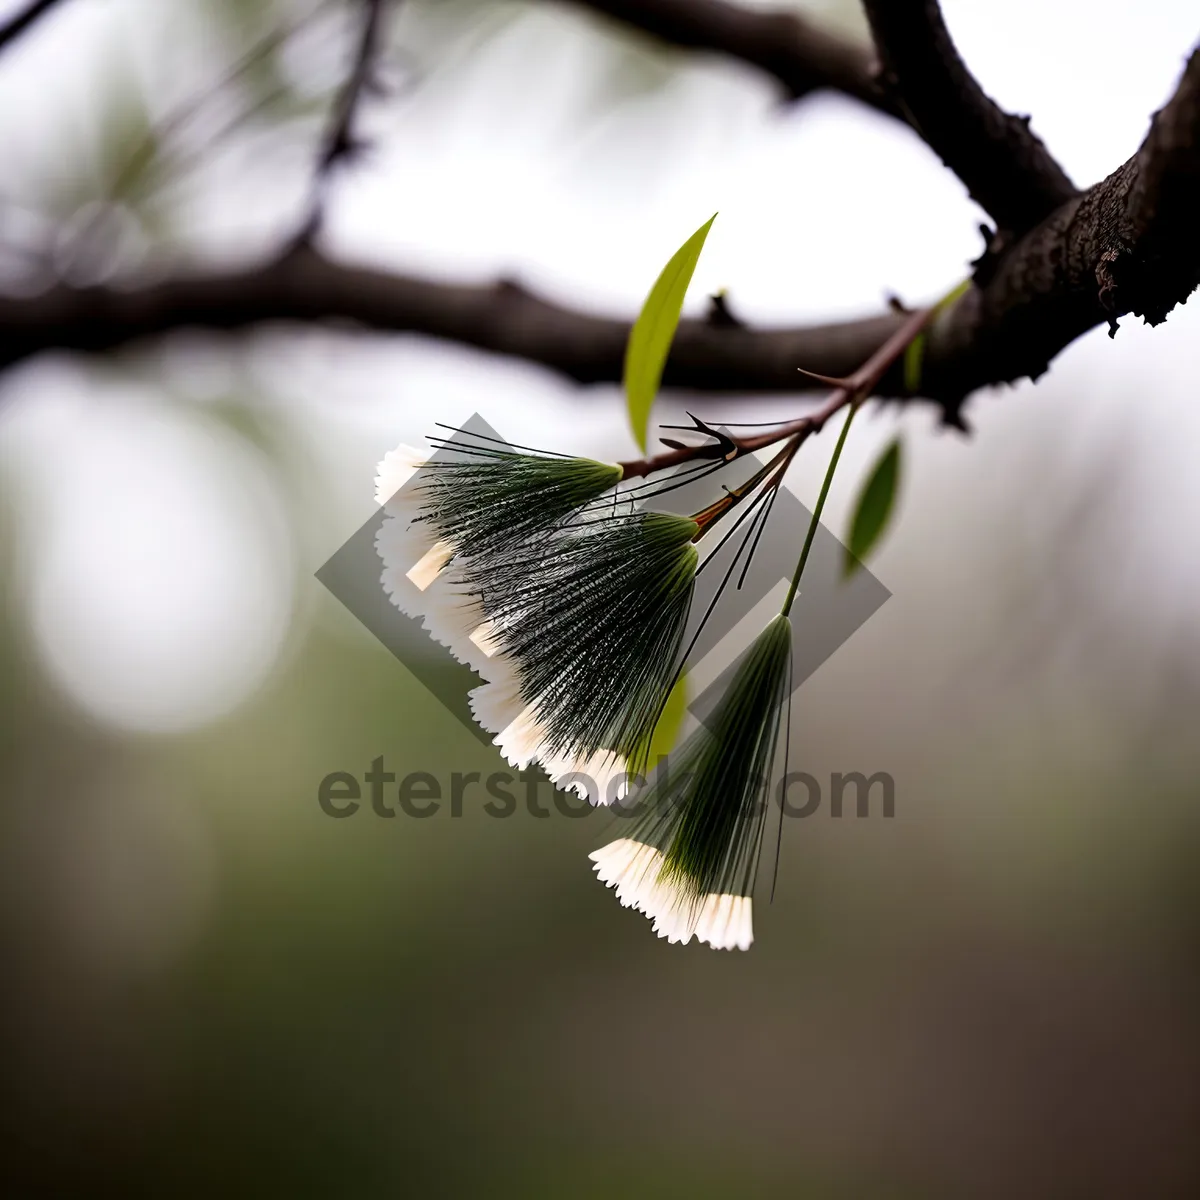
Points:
(176, 119)
(340, 143)
(855, 386)
(21, 21)
(771, 472)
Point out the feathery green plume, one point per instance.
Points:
(448, 515)
(585, 629)
(483, 499)
(691, 861)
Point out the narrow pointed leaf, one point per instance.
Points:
(670, 723)
(653, 331)
(874, 508)
(914, 361)
(914, 354)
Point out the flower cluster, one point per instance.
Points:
(571, 603)
(572, 613)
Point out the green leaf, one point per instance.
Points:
(874, 508)
(914, 360)
(670, 722)
(914, 352)
(653, 331)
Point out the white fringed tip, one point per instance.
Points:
(599, 778)
(499, 708)
(722, 920)
(497, 703)
(523, 739)
(396, 469)
(399, 546)
(632, 868)
(452, 613)
(412, 556)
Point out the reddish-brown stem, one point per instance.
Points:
(857, 386)
(707, 517)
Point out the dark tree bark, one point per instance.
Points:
(1005, 167)
(1064, 262)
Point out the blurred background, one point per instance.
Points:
(211, 986)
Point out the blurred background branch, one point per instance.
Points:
(794, 50)
(23, 19)
(340, 144)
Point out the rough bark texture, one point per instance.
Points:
(1128, 245)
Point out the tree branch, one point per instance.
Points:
(803, 57)
(1163, 202)
(1005, 167)
(1129, 244)
(307, 287)
(847, 390)
(340, 144)
(19, 22)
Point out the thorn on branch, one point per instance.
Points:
(726, 445)
(720, 316)
(954, 418)
(509, 290)
(349, 150)
(833, 381)
(995, 242)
